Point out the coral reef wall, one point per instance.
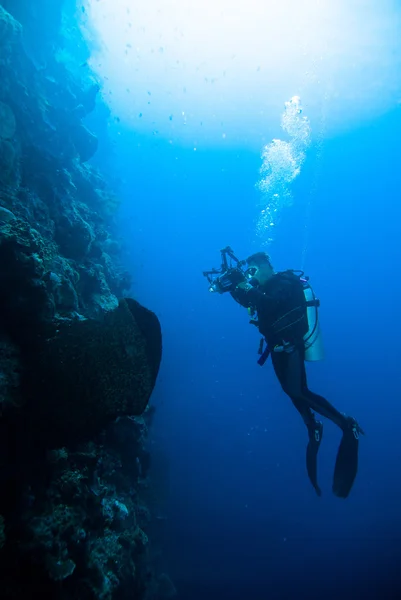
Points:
(78, 360)
(45, 179)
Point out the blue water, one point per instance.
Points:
(243, 521)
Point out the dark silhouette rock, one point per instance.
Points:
(83, 374)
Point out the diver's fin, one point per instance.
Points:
(315, 437)
(346, 463)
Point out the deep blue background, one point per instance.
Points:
(243, 520)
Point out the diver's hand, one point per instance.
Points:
(244, 285)
(233, 280)
(236, 276)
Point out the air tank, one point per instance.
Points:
(313, 341)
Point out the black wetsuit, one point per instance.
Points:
(282, 320)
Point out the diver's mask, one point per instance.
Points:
(252, 275)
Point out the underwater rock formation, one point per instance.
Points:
(43, 150)
(97, 369)
(82, 531)
(78, 359)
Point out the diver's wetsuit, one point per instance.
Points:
(282, 319)
(291, 373)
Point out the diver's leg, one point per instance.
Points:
(320, 404)
(290, 374)
(346, 466)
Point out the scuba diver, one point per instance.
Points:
(285, 310)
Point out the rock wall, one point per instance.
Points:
(45, 180)
(78, 360)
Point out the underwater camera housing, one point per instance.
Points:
(230, 274)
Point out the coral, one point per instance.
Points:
(66, 297)
(6, 215)
(61, 284)
(109, 560)
(23, 298)
(59, 519)
(83, 524)
(52, 532)
(93, 188)
(73, 234)
(59, 569)
(57, 454)
(95, 285)
(114, 509)
(118, 280)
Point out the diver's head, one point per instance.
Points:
(259, 268)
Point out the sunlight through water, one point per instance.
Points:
(218, 72)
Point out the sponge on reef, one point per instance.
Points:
(89, 372)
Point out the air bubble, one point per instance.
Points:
(281, 164)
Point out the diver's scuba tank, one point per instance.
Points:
(313, 341)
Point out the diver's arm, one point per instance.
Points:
(247, 295)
